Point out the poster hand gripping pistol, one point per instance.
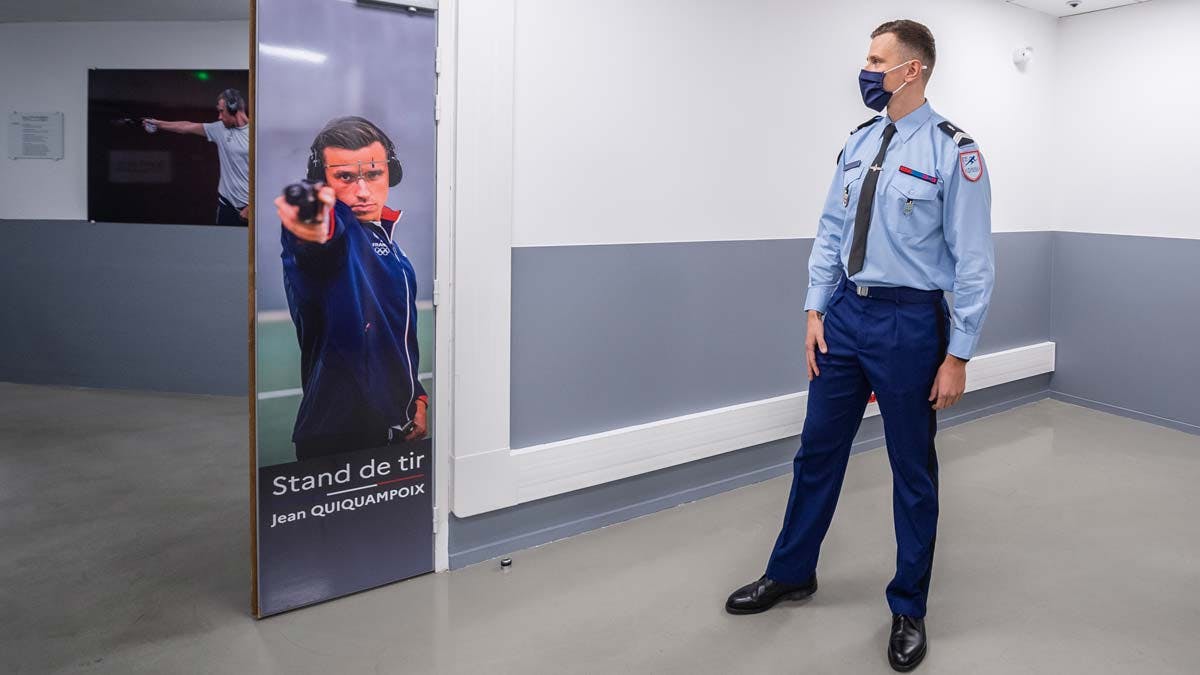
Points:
(344, 252)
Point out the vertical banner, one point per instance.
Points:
(344, 251)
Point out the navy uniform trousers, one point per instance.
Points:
(890, 342)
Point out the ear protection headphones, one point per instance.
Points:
(316, 160)
(233, 100)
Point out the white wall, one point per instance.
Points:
(43, 67)
(577, 122)
(1126, 107)
(684, 120)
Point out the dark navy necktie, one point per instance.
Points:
(866, 200)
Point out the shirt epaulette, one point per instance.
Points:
(866, 124)
(857, 129)
(959, 136)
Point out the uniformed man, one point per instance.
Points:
(906, 219)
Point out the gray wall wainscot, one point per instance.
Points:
(575, 371)
(1126, 316)
(124, 306)
(605, 337)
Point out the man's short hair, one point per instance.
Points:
(915, 38)
(350, 133)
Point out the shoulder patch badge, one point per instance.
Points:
(971, 163)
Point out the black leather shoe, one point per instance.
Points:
(761, 595)
(906, 646)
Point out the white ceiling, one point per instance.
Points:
(218, 10)
(1061, 8)
(124, 10)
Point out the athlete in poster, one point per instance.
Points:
(352, 291)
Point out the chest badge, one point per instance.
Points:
(381, 248)
(972, 165)
(917, 174)
(908, 207)
(846, 197)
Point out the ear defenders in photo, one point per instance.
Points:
(233, 100)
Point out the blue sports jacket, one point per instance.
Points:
(353, 300)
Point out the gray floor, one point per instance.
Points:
(1069, 543)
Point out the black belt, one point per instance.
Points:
(895, 293)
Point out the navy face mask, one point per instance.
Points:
(871, 85)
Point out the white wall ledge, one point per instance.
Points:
(505, 477)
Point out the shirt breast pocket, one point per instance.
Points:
(914, 210)
(851, 184)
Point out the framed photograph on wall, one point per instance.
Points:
(168, 146)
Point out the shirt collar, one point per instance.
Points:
(907, 126)
(388, 222)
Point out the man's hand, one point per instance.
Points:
(318, 232)
(244, 213)
(420, 425)
(950, 383)
(815, 339)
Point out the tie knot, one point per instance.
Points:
(889, 130)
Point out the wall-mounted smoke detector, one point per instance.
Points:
(1023, 55)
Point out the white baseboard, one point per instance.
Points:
(505, 477)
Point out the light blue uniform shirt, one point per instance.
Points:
(924, 234)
